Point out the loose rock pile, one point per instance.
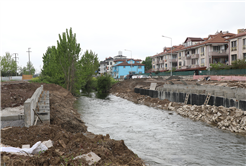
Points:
(231, 119)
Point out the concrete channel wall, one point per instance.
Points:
(220, 96)
(30, 105)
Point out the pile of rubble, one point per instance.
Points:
(231, 119)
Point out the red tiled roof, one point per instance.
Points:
(237, 35)
(218, 38)
(193, 39)
(127, 64)
(117, 60)
(148, 71)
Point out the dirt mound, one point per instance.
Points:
(75, 144)
(15, 94)
(65, 126)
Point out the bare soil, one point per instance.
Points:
(65, 127)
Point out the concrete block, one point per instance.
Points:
(211, 100)
(201, 99)
(48, 143)
(141, 91)
(155, 94)
(242, 105)
(219, 101)
(153, 86)
(233, 102)
(91, 158)
(26, 146)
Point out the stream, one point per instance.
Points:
(160, 137)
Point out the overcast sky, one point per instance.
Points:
(106, 27)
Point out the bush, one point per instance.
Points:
(103, 83)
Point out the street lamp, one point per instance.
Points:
(131, 59)
(171, 53)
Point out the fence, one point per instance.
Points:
(224, 72)
(26, 77)
(11, 78)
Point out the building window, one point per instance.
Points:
(216, 48)
(244, 56)
(193, 51)
(244, 43)
(193, 61)
(234, 46)
(139, 67)
(110, 63)
(233, 57)
(202, 61)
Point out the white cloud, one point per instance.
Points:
(107, 27)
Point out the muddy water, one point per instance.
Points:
(161, 137)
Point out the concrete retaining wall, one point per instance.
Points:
(30, 105)
(221, 78)
(220, 96)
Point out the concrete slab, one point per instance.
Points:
(13, 111)
(153, 86)
(91, 158)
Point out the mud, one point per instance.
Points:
(65, 126)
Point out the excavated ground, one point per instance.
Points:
(66, 130)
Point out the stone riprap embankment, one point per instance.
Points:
(231, 118)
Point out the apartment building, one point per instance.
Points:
(195, 53)
(237, 46)
(107, 65)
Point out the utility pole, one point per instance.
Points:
(16, 62)
(29, 60)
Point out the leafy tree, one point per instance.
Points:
(25, 70)
(87, 67)
(67, 54)
(103, 83)
(8, 65)
(52, 71)
(148, 63)
(239, 64)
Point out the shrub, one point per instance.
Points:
(103, 83)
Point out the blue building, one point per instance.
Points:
(123, 67)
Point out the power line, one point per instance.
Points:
(16, 61)
(29, 60)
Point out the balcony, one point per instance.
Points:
(180, 67)
(194, 56)
(161, 61)
(165, 68)
(188, 57)
(194, 66)
(173, 60)
(202, 65)
(244, 47)
(218, 53)
(233, 48)
(179, 57)
(184, 67)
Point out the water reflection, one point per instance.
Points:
(159, 137)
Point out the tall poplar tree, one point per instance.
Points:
(67, 55)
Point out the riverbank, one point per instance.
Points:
(231, 119)
(66, 130)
